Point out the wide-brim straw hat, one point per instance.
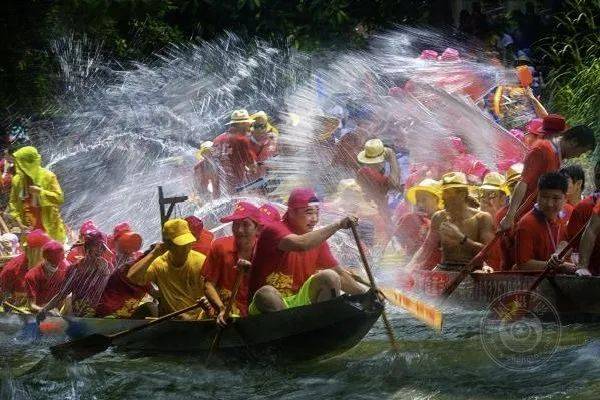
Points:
(453, 180)
(239, 117)
(513, 174)
(373, 152)
(426, 185)
(494, 181)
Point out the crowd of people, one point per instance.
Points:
(441, 214)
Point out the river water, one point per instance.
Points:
(452, 365)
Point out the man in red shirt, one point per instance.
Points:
(220, 269)
(263, 141)
(44, 281)
(539, 233)
(545, 156)
(587, 212)
(234, 152)
(289, 256)
(12, 276)
(207, 174)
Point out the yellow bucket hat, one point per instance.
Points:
(426, 185)
(373, 152)
(178, 232)
(454, 180)
(205, 147)
(494, 181)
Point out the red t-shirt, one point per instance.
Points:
(121, 297)
(579, 218)
(219, 269)
(86, 281)
(285, 270)
(566, 212)
(536, 238)
(265, 149)
(41, 287)
(542, 158)
(412, 231)
(12, 279)
(235, 155)
(202, 245)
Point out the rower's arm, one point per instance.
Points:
(588, 241)
(395, 176)
(349, 284)
(137, 272)
(540, 111)
(486, 233)
(515, 202)
(53, 195)
(211, 293)
(307, 241)
(430, 245)
(531, 265)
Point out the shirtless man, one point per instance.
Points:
(459, 230)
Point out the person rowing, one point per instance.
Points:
(541, 232)
(546, 156)
(227, 255)
(175, 268)
(45, 280)
(292, 264)
(12, 277)
(460, 231)
(493, 195)
(86, 281)
(263, 141)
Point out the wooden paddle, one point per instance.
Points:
(87, 346)
(517, 308)
(16, 309)
(236, 286)
(467, 269)
(386, 322)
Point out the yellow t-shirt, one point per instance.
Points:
(179, 287)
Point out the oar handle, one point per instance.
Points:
(157, 320)
(560, 255)
(15, 308)
(363, 257)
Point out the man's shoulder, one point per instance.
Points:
(528, 220)
(222, 244)
(196, 258)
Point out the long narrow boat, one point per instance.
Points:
(575, 298)
(301, 333)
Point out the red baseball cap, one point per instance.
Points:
(196, 225)
(553, 123)
(53, 252)
(88, 225)
(37, 238)
(269, 213)
(244, 210)
(94, 237)
(302, 197)
(129, 242)
(121, 228)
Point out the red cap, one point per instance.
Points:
(553, 123)
(37, 238)
(302, 197)
(244, 210)
(53, 252)
(450, 54)
(196, 225)
(395, 91)
(93, 237)
(269, 213)
(129, 242)
(428, 54)
(121, 228)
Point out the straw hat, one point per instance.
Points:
(494, 181)
(426, 185)
(373, 152)
(260, 115)
(205, 147)
(454, 180)
(240, 116)
(514, 173)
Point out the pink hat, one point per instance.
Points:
(87, 226)
(129, 242)
(196, 225)
(534, 126)
(457, 144)
(37, 238)
(302, 197)
(120, 229)
(244, 210)
(428, 54)
(94, 237)
(53, 252)
(450, 54)
(395, 91)
(269, 213)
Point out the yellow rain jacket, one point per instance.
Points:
(28, 162)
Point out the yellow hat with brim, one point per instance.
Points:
(426, 185)
(204, 148)
(178, 232)
(373, 152)
(494, 181)
(514, 173)
(453, 180)
(239, 117)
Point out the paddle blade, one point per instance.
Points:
(81, 349)
(418, 309)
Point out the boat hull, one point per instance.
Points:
(306, 332)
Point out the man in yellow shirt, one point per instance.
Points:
(175, 268)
